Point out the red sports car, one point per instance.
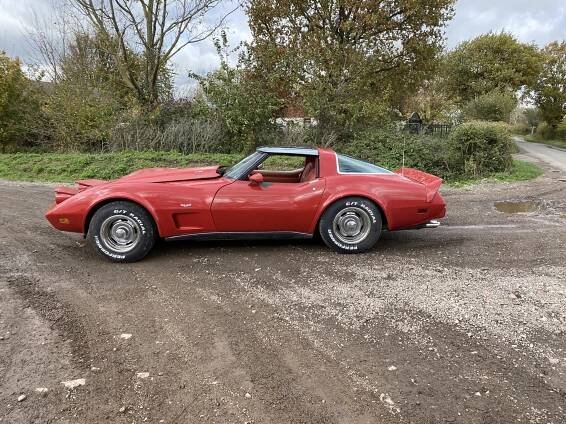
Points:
(348, 201)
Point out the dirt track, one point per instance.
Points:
(465, 323)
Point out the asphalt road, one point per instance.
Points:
(553, 156)
(465, 323)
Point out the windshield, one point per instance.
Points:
(236, 170)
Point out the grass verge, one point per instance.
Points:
(69, 167)
(556, 143)
(520, 171)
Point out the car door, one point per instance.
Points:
(244, 206)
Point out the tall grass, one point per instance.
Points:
(184, 136)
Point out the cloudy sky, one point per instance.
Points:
(538, 21)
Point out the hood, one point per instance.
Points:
(163, 175)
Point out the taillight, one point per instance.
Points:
(61, 197)
(63, 193)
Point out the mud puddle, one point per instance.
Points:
(516, 206)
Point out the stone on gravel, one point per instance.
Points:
(387, 401)
(125, 336)
(71, 384)
(41, 390)
(392, 368)
(21, 398)
(122, 409)
(248, 396)
(142, 374)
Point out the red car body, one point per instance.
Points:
(189, 202)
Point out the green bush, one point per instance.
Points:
(19, 107)
(545, 131)
(495, 106)
(389, 147)
(479, 148)
(474, 149)
(82, 118)
(561, 130)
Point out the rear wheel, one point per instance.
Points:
(351, 225)
(122, 232)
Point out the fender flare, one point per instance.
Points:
(115, 197)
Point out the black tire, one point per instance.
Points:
(351, 225)
(122, 231)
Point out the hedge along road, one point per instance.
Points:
(464, 323)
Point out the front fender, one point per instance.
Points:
(116, 196)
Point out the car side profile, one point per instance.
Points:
(348, 201)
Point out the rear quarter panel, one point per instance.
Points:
(400, 199)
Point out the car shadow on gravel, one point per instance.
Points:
(390, 243)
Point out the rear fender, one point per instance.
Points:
(331, 199)
(430, 182)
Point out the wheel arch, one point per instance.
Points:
(329, 202)
(103, 202)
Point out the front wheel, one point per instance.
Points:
(122, 232)
(351, 225)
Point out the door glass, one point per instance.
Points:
(283, 163)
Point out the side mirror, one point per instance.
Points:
(256, 179)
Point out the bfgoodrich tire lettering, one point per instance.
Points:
(351, 225)
(122, 231)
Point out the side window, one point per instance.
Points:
(283, 163)
(348, 165)
(288, 169)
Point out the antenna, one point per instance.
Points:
(403, 163)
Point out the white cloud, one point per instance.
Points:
(539, 21)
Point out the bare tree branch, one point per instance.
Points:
(154, 29)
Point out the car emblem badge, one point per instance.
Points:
(185, 205)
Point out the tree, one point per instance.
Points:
(89, 97)
(238, 99)
(490, 62)
(19, 107)
(495, 106)
(155, 29)
(50, 35)
(87, 62)
(432, 102)
(549, 90)
(346, 60)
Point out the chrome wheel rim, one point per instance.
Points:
(120, 233)
(351, 225)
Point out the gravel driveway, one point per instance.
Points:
(465, 323)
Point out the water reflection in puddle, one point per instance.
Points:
(516, 207)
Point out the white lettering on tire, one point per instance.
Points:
(340, 245)
(131, 215)
(105, 251)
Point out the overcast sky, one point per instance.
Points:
(538, 21)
